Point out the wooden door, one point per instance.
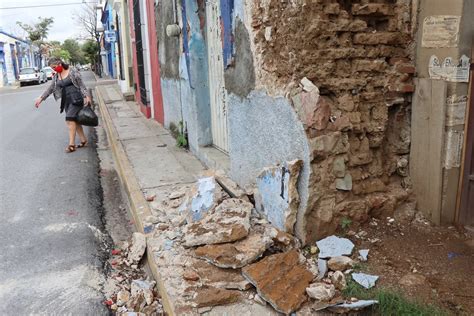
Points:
(466, 202)
(216, 76)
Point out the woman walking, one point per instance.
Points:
(68, 86)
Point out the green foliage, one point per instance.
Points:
(61, 53)
(391, 303)
(90, 50)
(181, 140)
(37, 32)
(75, 52)
(346, 223)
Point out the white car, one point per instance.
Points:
(49, 72)
(30, 74)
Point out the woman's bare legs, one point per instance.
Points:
(80, 132)
(72, 126)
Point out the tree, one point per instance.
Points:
(91, 50)
(37, 32)
(75, 51)
(62, 54)
(87, 20)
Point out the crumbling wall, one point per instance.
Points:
(358, 53)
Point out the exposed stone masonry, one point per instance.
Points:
(358, 53)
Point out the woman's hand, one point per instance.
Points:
(87, 101)
(38, 102)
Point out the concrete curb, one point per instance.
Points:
(138, 205)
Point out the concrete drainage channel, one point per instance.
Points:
(128, 286)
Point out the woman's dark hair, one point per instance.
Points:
(57, 61)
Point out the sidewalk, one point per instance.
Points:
(151, 167)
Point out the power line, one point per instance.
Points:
(46, 5)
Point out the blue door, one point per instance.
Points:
(15, 65)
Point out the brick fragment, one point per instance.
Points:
(406, 69)
(378, 65)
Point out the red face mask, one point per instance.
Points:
(58, 68)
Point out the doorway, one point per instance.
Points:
(217, 92)
(466, 188)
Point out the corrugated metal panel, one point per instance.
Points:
(216, 77)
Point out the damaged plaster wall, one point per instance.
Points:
(265, 131)
(183, 60)
(359, 55)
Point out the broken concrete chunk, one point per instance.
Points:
(137, 250)
(363, 254)
(308, 85)
(323, 268)
(339, 280)
(212, 296)
(205, 195)
(321, 291)
(122, 297)
(334, 246)
(343, 308)
(235, 255)
(366, 280)
(340, 263)
(278, 198)
(138, 286)
(228, 222)
(280, 280)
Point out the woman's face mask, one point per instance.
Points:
(58, 68)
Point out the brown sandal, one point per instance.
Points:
(82, 144)
(70, 149)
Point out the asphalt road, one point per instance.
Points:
(51, 245)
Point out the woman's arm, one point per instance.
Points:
(48, 91)
(82, 86)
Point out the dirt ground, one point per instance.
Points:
(441, 259)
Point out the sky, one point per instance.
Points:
(64, 26)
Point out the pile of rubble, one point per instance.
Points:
(212, 249)
(127, 290)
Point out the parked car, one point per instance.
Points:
(49, 72)
(30, 74)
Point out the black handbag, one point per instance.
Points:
(87, 117)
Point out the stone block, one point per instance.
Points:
(278, 198)
(214, 296)
(321, 291)
(281, 280)
(228, 222)
(235, 255)
(339, 167)
(340, 263)
(331, 143)
(344, 184)
(312, 109)
(213, 276)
